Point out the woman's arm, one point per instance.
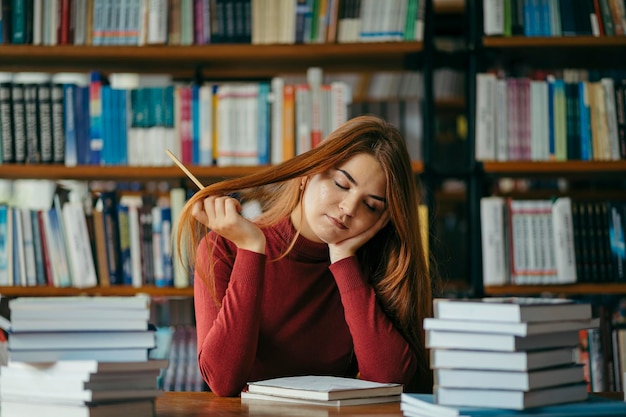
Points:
(382, 353)
(228, 333)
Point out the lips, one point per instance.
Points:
(338, 224)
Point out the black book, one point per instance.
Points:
(6, 117)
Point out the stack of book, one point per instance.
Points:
(423, 405)
(511, 353)
(320, 390)
(79, 356)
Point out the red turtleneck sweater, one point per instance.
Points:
(299, 315)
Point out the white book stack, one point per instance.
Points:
(79, 356)
(509, 352)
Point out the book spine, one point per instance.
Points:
(19, 123)
(6, 122)
(45, 123)
(31, 123)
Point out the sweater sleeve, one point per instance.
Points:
(228, 333)
(382, 353)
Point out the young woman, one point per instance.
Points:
(331, 278)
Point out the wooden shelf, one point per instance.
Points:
(134, 173)
(567, 168)
(511, 42)
(219, 60)
(449, 6)
(117, 290)
(571, 289)
(558, 52)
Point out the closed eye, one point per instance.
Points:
(343, 187)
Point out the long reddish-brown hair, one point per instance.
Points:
(394, 259)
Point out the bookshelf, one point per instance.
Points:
(219, 62)
(586, 178)
(232, 61)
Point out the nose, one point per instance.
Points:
(348, 205)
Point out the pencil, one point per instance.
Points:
(184, 168)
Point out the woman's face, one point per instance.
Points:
(345, 201)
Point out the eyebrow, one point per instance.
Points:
(353, 181)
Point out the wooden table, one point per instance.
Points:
(201, 404)
(204, 404)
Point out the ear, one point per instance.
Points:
(303, 182)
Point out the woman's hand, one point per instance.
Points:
(222, 216)
(348, 247)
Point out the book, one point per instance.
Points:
(498, 342)
(517, 329)
(323, 388)
(87, 366)
(505, 361)
(101, 355)
(512, 309)
(141, 408)
(418, 405)
(250, 397)
(511, 399)
(509, 380)
(81, 340)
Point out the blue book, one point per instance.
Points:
(594, 406)
(71, 141)
(108, 145)
(264, 123)
(166, 248)
(195, 124)
(124, 245)
(96, 110)
(586, 147)
(81, 114)
(4, 245)
(121, 98)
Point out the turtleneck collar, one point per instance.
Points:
(304, 249)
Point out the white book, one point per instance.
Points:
(251, 397)
(501, 120)
(516, 329)
(512, 309)
(178, 199)
(62, 386)
(142, 408)
(77, 324)
(207, 124)
(157, 21)
(82, 266)
(436, 339)
(86, 396)
(323, 388)
(494, 241)
(140, 302)
(80, 312)
(509, 380)
(85, 367)
(563, 235)
(611, 116)
(539, 124)
(485, 117)
(276, 112)
(19, 246)
(38, 6)
(101, 355)
(493, 17)
(513, 399)
(505, 361)
(81, 340)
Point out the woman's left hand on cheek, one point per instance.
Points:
(348, 247)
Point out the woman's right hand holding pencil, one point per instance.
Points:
(222, 215)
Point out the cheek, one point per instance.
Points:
(315, 195)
